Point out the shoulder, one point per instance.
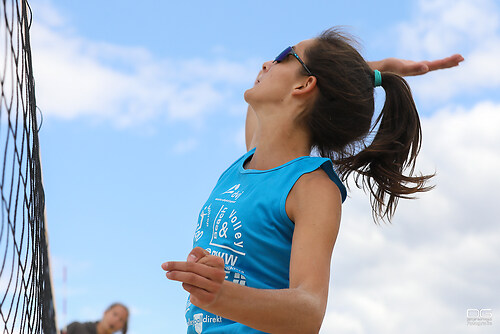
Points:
(317, 184)
(82, 328)
(75, 325)
(314, 192)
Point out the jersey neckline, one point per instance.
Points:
(250, 153)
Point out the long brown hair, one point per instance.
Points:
(342, 129)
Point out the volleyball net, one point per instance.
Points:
(26, 299)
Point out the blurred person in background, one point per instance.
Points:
(114, 319)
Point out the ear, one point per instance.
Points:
(305, 87)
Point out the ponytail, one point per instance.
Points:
(340, 123)
(394, 149)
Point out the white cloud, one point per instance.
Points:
(440, 28)
(440, 256)
(43, 11)
(443, 26)
(77, 77)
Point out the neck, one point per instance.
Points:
(278, 140)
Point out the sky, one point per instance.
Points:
(143, 109)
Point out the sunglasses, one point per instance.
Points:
(290, 51)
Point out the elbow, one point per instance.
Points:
(313, 320)
(309, 323)
(306, 314)
(315, 325)
(310, 328)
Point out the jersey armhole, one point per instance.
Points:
(327, 167)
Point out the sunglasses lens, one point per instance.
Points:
(283, 54)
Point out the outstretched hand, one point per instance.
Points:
(409, 67)
(202, 275)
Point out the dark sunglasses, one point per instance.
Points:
(290, 51)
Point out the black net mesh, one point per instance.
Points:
(26, 303)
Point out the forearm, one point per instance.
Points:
(272, 311)
(376, 65)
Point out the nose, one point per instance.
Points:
(267, 65)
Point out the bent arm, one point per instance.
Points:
(314, 206)
(287, 311)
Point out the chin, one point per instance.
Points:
(248, 95)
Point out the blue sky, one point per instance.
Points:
(143, 109)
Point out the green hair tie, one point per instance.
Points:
(378, 78)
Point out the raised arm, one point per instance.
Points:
(399, 66)
(409, 67)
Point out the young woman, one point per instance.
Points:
(264, 238)
(114, 319)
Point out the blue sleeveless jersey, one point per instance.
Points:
(245, 223)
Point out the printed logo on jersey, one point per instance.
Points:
(198, 322)
(232, 273)
(229, 259)
(227, 232)
(231, 195)
(199, 319)
(236, 278)
(204, 218)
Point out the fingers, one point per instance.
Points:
(202, 279)
(411, 68)
(212, 261)
(212, 269)
(209, 269)
(202, 275)
(447, 62)
(196, 254)
(208, 283)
